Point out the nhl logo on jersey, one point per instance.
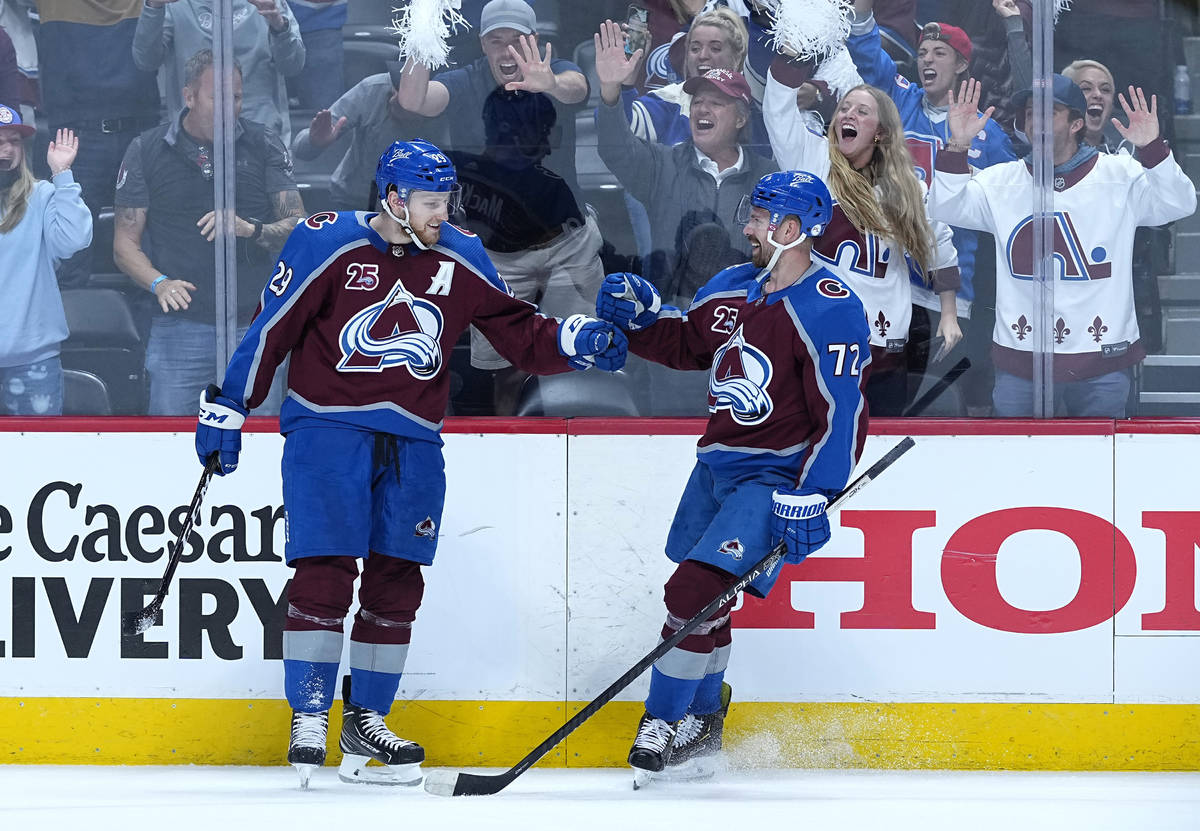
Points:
(426, 528)
(732, 548)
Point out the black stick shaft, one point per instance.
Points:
(469, 784)
(135, 622)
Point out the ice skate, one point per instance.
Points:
(365, 736)
(651, 749)
(694, 755)
(306, 750)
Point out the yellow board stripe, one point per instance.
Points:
(968, 736)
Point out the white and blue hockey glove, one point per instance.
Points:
(219, 429)
(587, 342)
(798, 518)
(628, 301)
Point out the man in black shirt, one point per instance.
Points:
(165, 192)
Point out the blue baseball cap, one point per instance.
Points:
(12, 118)
(1065, 91)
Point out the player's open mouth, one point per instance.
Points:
(1095, 111)
(928, 76)
(508, 70)
(704, 124)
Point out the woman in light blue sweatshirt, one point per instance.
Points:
(40, 224)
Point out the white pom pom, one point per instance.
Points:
(810, 29)
(423, 26)
(839, 72)
(1061, 6)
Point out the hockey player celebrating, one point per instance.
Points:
(1099, 200)
(368, 306)
(787, 347)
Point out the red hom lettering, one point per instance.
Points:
(885, 571)
(969, 570)
(1182, 529)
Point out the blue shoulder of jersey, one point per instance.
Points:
(824, 304)
(469, 248)
(734, 278)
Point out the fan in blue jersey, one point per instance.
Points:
(369, 306)
(787, 348)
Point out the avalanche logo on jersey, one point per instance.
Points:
(1075, 262)
(738, 381)
(732, 548)
(400, 330)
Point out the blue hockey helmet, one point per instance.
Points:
(791, 193)
(415, 165)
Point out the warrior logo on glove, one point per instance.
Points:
(401, 330)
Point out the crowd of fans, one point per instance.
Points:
(594, 137)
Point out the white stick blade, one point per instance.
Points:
(441, 782)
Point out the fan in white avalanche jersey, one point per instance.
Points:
(879, 232)
(1099, 201)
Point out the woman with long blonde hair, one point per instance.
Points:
(40, 224)
(880, 233)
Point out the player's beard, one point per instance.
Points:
(428, 236)
(760, 256)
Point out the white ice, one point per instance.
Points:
(186, 798)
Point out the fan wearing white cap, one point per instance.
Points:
(508, 36)
(511, 119)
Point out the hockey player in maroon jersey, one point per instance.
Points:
(787, 347)
(369, 307)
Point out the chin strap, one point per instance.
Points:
(779, 249)
(403, 223)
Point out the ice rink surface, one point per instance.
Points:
(184, 798)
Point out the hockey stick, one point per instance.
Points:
(134, 623)
(449, 783)
(938, 387)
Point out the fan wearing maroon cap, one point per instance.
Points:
(690, 190)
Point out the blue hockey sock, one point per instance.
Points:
(309, 685)
(708, 694)
(669, 697)
(373, 690)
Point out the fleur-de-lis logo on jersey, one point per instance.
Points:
(1097, 329)
(400, 330)
(1021, 327)
(1060, 330)
(738, 381)
(882, 324)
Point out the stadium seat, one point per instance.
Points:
(591, 393)
(104, 340)
(84, 394)
(370, 13)
(368, 57)
(102, 243)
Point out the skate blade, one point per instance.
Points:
(693, 770)
(305, 772)
(642, 778)
(354, 771)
